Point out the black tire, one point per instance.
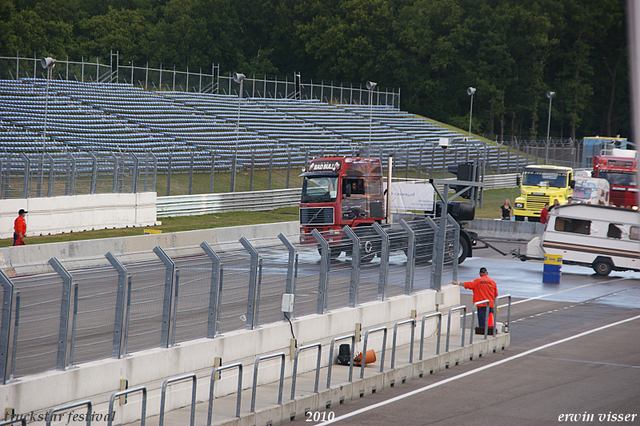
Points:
(370, 243)
(334, 252)
(463, 252)
(602, 267)
(519, 218)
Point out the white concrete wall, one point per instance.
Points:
(21, 259)
(90, 380)
(78, 213)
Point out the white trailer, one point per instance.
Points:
(604, 238)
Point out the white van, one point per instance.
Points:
(604, 238)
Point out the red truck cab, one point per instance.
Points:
(621, 173)
(338, 192)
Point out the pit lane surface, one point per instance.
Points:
(574, 356)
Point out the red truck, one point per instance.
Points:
(620, 170)
(348, 191)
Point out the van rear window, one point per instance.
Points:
(577, 226)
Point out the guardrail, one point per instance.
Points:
(190, 205)
(464, 320)
(281, 355)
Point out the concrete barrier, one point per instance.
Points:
(96, 380)
(57, 215)
(22, 258)
(508, 229)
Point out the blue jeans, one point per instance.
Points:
(482, 315)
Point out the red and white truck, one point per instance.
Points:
(349, 191)
(620, 170)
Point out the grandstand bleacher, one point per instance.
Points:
(107, 119)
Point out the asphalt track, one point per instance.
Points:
(574, 358)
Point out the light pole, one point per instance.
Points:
(371, 86)
(550, 95)
(47, 63)
(238, 78)
(471, 91)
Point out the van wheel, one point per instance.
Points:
(519, 218)
(602, 267)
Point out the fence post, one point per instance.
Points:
(169, 172)
(168, 291)
(120, 300)
(5, 325)
(252, 299)
(215, 291)
(323, 284)
(384, 262)
(456, 245)
(65, 307)
(290, 287)
(134, 178)
(213, 164)
(94, 173)
(27, 172)
(354, 286)
(411, 257)
(51, 175)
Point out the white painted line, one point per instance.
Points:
(477, 370)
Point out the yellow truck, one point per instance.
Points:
(539, 185)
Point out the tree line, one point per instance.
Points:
(511, 51)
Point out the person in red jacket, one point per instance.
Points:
(544, 213)
(19, 228)
(483, 288)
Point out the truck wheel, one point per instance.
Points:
(370, 243)
(334, 252)
(602, 267)
(463, 250)
(519, 218)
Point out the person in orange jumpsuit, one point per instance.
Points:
(483, 288)
(19, 228)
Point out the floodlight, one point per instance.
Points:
(238, 77)
(371, 85)
(48, 62)
(471, 91)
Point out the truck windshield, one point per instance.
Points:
(551, 179)
(319, 189)
(616, 178)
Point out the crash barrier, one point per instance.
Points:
(295, 368)
(395, 334)
(126, 392)
(163, 397)
(216, 375)
(486, 320)
(495, 315)
(118, 304)
(364, 348)
(464, 319)
(437, 315)
(280, 355)
(351, 336)
(51, 415)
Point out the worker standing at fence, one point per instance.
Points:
(483, 288)
(19, 228)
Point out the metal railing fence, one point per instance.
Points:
(74, 312)
(162, 78)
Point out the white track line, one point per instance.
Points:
(477, 370)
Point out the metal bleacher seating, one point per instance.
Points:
(116, 118)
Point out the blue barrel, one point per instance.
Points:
(552, 270)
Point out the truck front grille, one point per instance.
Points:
(536, 202)
(316, 216)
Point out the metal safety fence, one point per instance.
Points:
(72, 312)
